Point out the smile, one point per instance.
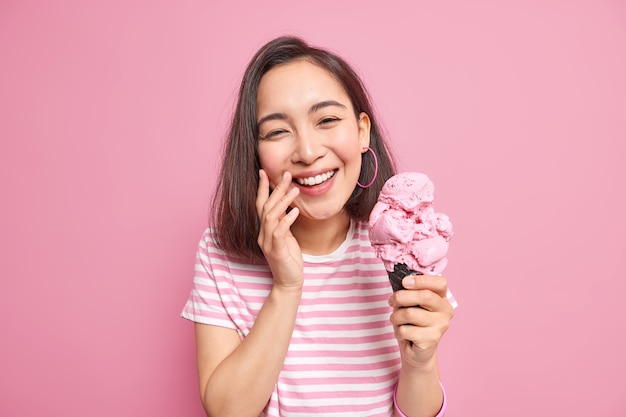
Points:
(318, 179)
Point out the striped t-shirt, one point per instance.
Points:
(343, 359)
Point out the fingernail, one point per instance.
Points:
(408, 282)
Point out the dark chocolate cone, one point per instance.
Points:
(400, 271)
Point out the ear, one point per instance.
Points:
(364, 130)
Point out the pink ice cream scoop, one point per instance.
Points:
(405, 231)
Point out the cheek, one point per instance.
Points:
(271, 162)
(353, 165)
(350, 152)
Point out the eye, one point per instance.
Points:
(328, 121)
(275, 134)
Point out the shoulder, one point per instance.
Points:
(361, 231)
(209, 245)
(359, 242)
(209, 250)
(209, 238)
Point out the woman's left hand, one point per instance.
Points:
(421, 315)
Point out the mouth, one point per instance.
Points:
(316, 180)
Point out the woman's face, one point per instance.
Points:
(307, 126)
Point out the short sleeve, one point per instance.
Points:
(205, 303)
(452, 300)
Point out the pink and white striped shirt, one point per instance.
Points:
(343, 359)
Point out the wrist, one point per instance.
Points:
(287, 292)
(430, 366)
(442, 410)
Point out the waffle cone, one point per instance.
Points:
(399, 271)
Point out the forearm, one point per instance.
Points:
(242, 384)
(419, 393)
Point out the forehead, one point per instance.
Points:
(298, 84)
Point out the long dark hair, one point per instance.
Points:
(234, 213)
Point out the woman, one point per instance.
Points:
(294, 313)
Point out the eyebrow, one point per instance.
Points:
(273, 116)
(323, 104)
(313, 109)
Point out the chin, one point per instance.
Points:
(322, 215)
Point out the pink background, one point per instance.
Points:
(111, 120)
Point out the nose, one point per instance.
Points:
(308, 146)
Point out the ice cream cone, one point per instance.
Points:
(399, 272)
(406, 232)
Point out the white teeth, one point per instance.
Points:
(318, 179)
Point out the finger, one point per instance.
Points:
(283, 186)
(434, 283)
(420, 338)
(277, 200)
(272, 211)
(263, 192)
(277, 196)
(415, 316)
(425, 299)
(283, 228)
(413, 325)
(275, 210)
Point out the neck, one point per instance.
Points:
(320, 237)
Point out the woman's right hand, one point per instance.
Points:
(280, 247)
